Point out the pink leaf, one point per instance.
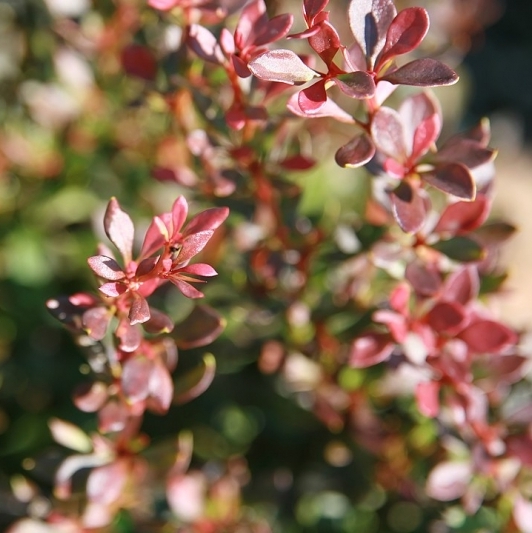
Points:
(357, 85)
(161, 389)
(426, 281)
(409, 208)
(105, 483)
(449, 480)
(113, 417)
(462, 286)
(312, 8)
(488, 336)
(130, 336)
(253, 16)
(186, 496)
(210, 219)
(422, 73)
(188, 290)
(370, 350)
(425, 135)
(328, 109)
(139, 311)
(163, 5)
(204, 44)
(388, 134)
(113, 289)
(199, 269)
(156, 235)
(427, 398)
(281, 65)
(369, 21)
(273, 30)
(405, 33)
(193, 244)
(179, 214)
(357, 152)
(119, 228)
(90, 397)
(464, 217)
(452, 178)
(105, 267)
(136, 375)
(313, 97)
(522, 513)
(96, 321)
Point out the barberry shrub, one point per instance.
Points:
(348, 256)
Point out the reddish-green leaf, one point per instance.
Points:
(139, 61)
(281, 65)
(423, 73)
(357, 85)
(161, 389)
(195, 382)
(460, 249)
(357, 152)
(452, 178)
(405, 33)
(200, 328)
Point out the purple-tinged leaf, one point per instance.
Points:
(370, 350)
(200, 328)
(312, 8)
(488, 336)
(462, 286)
(204, 44)
(359, 85)
(422, 73)
(297, 162)
(326, 42)
(357, 152)
(449, 480)
(161, 389)
(199, 269)
(273, 30)
(146, 267)
(210, 219)
(195, 382)
(95, 321)
(468, 152)
(464, 217)
(119, 228)
(313, 97)
(425, 135)
(106, 268)
(186, 288)
(227, 42)
(69, 435)
(427, 399)
(447, 317)
(328, 109)
(425, 281)
(105, 483)
(452, 178)
(192, 245)
(281, 65)
(159, 322)
(113, 417)
(369, 21)
(494, 233)
(253, 16)
(409, 208)
(90, 397)
(139, 311)
(388, 134)
(113, 289)
(405, 33)
(136, 373)
(240, 66)
(130, 336)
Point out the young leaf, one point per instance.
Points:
(357, 152)
(274, 29)
(204, 44)
(328, 109)
(119, 228)
(281, 65)
(422, 73)
(357, 85)
(409, 207)
(313, 98)
(106, 268)
(452, 178)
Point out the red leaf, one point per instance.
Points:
(405, 33)
(200, 328)
(422, 73)
(105, 267)
(369, 21)
(313, 97)
(326, 42)
(446, 317)
(425, 135)
(204, 44)
(274, 29)
(488, 336)
(462, 286)
(161, 389)
(136, 373)
(312, 8)
(409, 207)
(159, 322)
(179, 214)
(357, 152)
(328, 109)
(199, 269)
(370, 350)
(281, 65)
(297, 162)
(357, 85)
(427, 398)
(466, 151)
(424, 280)
(139, 311)
(139, 61)
(96, 321)
(188, 290)
(156, 235)
(388, 134)
(119, 228)
(253, 16)
(193, 244)
(452, 178)
(207, 220)
(464, 217)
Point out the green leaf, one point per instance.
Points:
(461, 249)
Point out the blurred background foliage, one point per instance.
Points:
(77, 130)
